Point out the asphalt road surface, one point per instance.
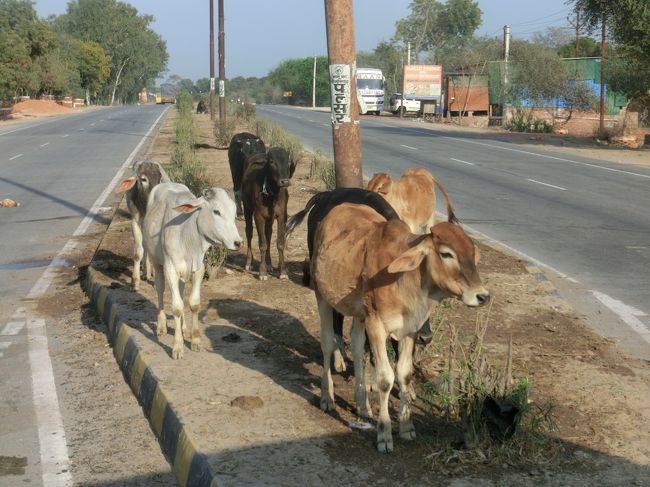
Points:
(61, 171)
(586, 222)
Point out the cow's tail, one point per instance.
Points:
(451, 216)
(297, 219)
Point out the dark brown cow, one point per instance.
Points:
(242, 146)
(265, 196)
(387, 279)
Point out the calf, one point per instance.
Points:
(138, 187)
(242, 146)
(201, 107)
(318, 207)
(178, 229)
(265, 196)
(387, 279)
(412, 195)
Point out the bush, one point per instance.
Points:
(524, 121)
(245, 112)
(223, 132)
(323, 169)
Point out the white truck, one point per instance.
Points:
(370, 88)
(406, 105)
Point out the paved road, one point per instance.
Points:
(60, 171)
(585, 220)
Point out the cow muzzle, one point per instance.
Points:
(476, 297)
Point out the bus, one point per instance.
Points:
(370, 88)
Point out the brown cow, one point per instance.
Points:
(413, 196)
(138, 188)
(387, 279)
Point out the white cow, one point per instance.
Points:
(147, 175)
(178, 229)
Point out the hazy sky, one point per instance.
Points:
(262, 33)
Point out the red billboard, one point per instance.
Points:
(423, 81)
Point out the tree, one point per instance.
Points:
(588, 48)
(432, 25)
(296, 75)
(23, 40)
(137, 53)
(537, 74)
(628, 22)
(553, 37)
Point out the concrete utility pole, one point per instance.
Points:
(212, 60)
(506, 51)
(222, 67)
(343, 84)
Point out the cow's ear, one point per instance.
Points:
(409, 260)
(125, 185)
(380, 183)
(186, 208)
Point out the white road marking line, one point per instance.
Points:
(55, 466)
(27, 127)
(92, 124)
(53, 445)
(65, 135)
(12, 328)
(325, 124)
(81, 129)
(15, 157)
(409, 147)
(546, 184)
(43, 145)
(627, 313)
(464, 162)
(548, 157)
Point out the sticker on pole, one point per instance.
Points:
(222, 88)
(341, 82)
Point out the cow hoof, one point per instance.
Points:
(365, 412)
(385, 446)
(177, 353)
(135, 285)
(247, 267)
(161, 326)
(339, 362)
(264, 277)
(407, 431)
(327, 404)
(195, 346)
(284, 276)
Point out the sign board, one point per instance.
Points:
(341, 88)
(423, 81)
(287, 94)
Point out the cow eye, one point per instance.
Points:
(446, 255)
(217, 212)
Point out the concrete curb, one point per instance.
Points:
(190, 466)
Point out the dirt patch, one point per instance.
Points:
(262, 341)
(35, 108)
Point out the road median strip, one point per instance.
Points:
(190, 466)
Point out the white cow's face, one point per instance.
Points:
(217, 218)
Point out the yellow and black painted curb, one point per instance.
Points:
(190, 466)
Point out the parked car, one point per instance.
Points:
(407, 105)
